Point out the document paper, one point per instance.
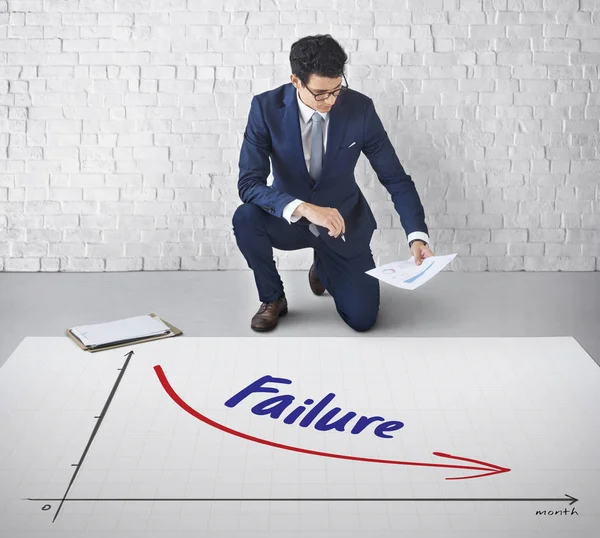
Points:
(407, 274)
(117, 331)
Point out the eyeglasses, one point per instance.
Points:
(325, 95)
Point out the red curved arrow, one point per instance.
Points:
(489, 467)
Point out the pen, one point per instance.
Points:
(343, 238)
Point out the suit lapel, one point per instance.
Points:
(293, 141)
(291, 127)
(337, 125)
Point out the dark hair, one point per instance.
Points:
(317, 54)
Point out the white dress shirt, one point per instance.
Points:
(305, 129)
(304, 116)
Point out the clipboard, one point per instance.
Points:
(174, 332)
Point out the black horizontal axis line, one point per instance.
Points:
(572, 500)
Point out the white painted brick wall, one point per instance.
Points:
(121, 124)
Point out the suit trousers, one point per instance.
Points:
(356, 294)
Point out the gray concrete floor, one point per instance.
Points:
(222, 303)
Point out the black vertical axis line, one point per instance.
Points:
(96, 428)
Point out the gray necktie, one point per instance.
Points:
(316, 146)
(316, 154)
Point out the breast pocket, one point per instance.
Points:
(349, 148)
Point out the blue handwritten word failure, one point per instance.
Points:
(276, 406)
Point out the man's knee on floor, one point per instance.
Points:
(363, 325)
(361, 321)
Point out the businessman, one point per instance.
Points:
(312, 131)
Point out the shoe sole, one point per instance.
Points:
(281, 314)
(317, 294)
(311, 287)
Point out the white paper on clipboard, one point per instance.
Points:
(123, 329)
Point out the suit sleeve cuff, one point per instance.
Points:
(289, 209)
(419, 235)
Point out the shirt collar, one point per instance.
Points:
(306, 112)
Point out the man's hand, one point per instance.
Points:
(420, 250)
(328, 217)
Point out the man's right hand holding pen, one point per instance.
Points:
(327, 217)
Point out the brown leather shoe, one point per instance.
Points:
(315, 284)
(268, 315)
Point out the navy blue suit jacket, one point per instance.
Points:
(273, 132)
